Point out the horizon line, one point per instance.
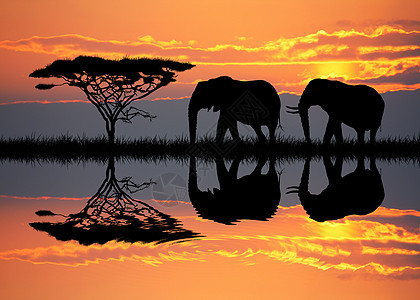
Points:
(160, 98)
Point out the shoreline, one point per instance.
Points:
(68, 148)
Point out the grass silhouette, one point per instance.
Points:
(66, 148)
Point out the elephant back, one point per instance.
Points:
(254, 102)
(358, 193)
(362, 107)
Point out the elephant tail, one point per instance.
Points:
(279, 125)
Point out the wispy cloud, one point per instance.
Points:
(45, 102)
(387, 55)
(407, 24)
(407, 76)
(353, 246)
(83, 101)
(320, 46)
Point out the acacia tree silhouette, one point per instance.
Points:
(112, 85)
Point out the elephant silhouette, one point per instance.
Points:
(358, 193)
(255, 103)
(358, 106)
(253, 197)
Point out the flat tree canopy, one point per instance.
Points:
(110, 84)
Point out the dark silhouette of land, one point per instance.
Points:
(68, 149)
(253, 197)
(112, 214)
(112, 85)
(358, 106)
(255, 103)
(360, 192)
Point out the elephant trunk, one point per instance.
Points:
(192, 179)
(304, 180)
(304, 118)
(192, 119)
(305, 196)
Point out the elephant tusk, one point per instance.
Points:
(293, 109)
(292, 189)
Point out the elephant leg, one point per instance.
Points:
(330, 169)
(223, 175)
(373, 132)
(260, 165)
(360, 163)
(361, 137)
(233, 128)
(372, 164)
(272, 132)
(234, 167)
(221, 130)
(260, 134)
(338, 133)
(329, 131)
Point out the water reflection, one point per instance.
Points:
(360, 192)
(255, 196)
(112, 214)
(383, 246)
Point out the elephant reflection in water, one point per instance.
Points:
(112, 214)
(358, 193)
(254, 196)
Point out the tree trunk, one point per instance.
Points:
(111, 133)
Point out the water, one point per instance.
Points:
(152, 241)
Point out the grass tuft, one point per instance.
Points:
(66, 148)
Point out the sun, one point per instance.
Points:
(335, 70)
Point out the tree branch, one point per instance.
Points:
(133, 187)
(132, 112)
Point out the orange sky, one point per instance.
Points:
(371, 42)
(284, 42)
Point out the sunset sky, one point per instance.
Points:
(371, 42)
(287, 43)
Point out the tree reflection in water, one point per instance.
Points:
(112, 214)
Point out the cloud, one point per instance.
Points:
(44, 197)
(44, 102)
(352, 246)
(409, 76)
(71, 45)
(85, 101)
(319, 46)
(407, 24)
(149, 39)
(390, 54)
(384, 55)
(410, 24)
